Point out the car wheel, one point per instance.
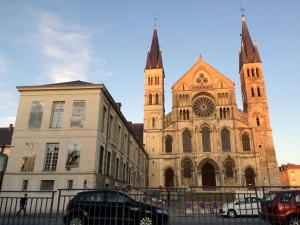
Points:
(76, 221)
(231, 213)
(294, 221)
(145, 220)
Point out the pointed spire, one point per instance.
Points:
(249, 52)
(154, 58)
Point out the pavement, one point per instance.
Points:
(178, 220)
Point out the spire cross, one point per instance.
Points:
(155, 21)
(242, 8)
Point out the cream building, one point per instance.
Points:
(206, 139)
(73, 135)
(290, 175)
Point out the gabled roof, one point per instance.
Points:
(6, 134)
(249, 52)
(77, 83)
(154, 58)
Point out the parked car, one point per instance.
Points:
(112, 207)
(247, 206)
(282, 207)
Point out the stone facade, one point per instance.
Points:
(72, 135)
(206, 139)
(290, 175)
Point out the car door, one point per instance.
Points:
(240, 206)
(115, 208)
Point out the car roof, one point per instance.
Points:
(99, 191)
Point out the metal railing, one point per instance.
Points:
(194, 205)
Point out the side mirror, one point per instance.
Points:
(237, 203)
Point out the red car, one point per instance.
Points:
(282, 207)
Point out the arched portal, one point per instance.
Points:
(169, 177)
(208, 175)
(250, 177)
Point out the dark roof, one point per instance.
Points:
(6, 134)
(77, 83)
(154, 58)
(249, 52)
(138, 129)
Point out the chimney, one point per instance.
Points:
(11, 127)
(119, 105)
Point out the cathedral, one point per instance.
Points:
(206, 140)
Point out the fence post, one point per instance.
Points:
(51, 205)
(58, 204)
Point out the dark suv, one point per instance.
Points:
(281, 207)
(112, 207)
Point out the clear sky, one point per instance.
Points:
(45, 41)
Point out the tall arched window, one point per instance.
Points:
(156, 99)
(168, 144)
(187, 114)
(258, 92)
(253, 73)
(252, 92)
(257, 121)
(187, 141)
(257, 72)
(246, 143)
(153, 122)
(225, 138)
(150, 99)
(206, 139)
(184, 115)
(187, 167)
(248, 72)
(229, 168)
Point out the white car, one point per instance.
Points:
(248, 206)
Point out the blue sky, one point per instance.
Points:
(45, 41)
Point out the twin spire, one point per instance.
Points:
(248, 54)
(154, 58)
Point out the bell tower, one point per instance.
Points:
(154, 110)
(255, 104)
(154, 87)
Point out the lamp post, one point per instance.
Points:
(3, 164)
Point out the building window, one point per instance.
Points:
(253, 72)
(153, 122)
(248, 72)
(187, 141)
(168, 144)
(229, 169)
(70, 184)
(124, 172)
(108, 164)
(47, 185)
(225, 138)
(206, 139)
(258, 92)
(150, 99)
(246, 143)
(117, 168)
(257, 121)
(156, 99)
(187, 167)
(78, 114)
(36, 114)
(51, 157)
(103, 118)
(110, 132)
(252, 92)
(101, 157)
(257, 72)
(57, 114)
(24, 185)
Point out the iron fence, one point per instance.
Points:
(194, 205)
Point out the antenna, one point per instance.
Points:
(242, 8)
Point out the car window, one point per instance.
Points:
(255, 200)
(93, 197)
(297, 198)
(286, 197)
(269, 197)
(241, 201)
(115, 197)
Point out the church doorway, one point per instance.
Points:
(169, 178)
(208, 175)
(250, 177)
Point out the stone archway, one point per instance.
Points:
(208, 175)
(169, 178)
(250, 177)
